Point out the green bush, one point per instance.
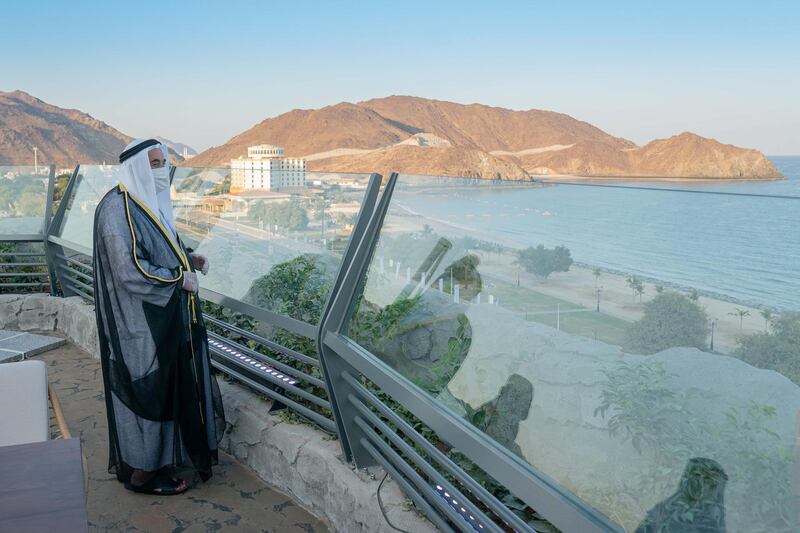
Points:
(778, 349)
(543, 261)
(287, 215)
(670, 320)
(297, 288)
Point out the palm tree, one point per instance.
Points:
(741, 313)
(639, 289)
(768, 316)
(633, 282)
(597, 273)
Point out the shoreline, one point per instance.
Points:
(704, 180)
(579, 286)
(607, 270)
(680, 288)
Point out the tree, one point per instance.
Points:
(223, 187)
(670, 319)
(30, 204)
(740, 313)
(318, 206)
(636, 286)
(543, 261)
(289, 215)
(768, 316)
(60, 186)
(344, 219)
(639, 289)
(778, 349)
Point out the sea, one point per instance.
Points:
(739, 241)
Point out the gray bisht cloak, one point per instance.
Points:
(163, 403)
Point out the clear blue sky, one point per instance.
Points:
(200, 72)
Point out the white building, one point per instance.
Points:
(265, 167)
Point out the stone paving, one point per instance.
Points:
(19, 345)
(234, 499)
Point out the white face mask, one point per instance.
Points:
(161, 177)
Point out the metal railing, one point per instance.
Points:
(355, 394)
(23, 263)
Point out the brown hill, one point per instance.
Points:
(307, 131)
(686, 155)
(63, 137)
(690, 155)
(384, 122)
(476, 140)
(490, 128)
(436, 160)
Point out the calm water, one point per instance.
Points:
(742, 247)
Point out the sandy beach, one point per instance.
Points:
(579, 286)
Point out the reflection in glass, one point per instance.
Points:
(275, 249)
(574, 326)
(23, 196)
(697, 506)
(91, 184)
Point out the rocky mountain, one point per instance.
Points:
(436, 160)
(63, 136)
(686, 155)
(421, 136)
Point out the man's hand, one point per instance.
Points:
(200, 262)
(190, 282)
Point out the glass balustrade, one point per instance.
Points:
(639, 347)
(23, 199)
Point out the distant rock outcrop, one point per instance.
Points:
(686, 155)
(421, 136)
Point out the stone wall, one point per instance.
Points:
(298, 459)
(71, 316)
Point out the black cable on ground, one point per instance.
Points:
(383, 511)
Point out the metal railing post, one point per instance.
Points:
(51, 248)
(48, 214)
(334, 320)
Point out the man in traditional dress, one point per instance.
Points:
(162, 401)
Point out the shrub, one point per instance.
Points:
(291, 214)
(543, 261)
(778, 349)
(670, 319)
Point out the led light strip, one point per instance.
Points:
(227, 350)
(471, 520)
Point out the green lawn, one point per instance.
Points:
(541, 308)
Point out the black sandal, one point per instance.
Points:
(159, 485)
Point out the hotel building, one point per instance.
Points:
(266, 168)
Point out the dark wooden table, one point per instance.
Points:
(41, 487)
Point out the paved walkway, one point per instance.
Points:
(234, 499)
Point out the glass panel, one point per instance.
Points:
(92, 183)
(278, 250)
(640, 347)
(23, 196)
(275, 249)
